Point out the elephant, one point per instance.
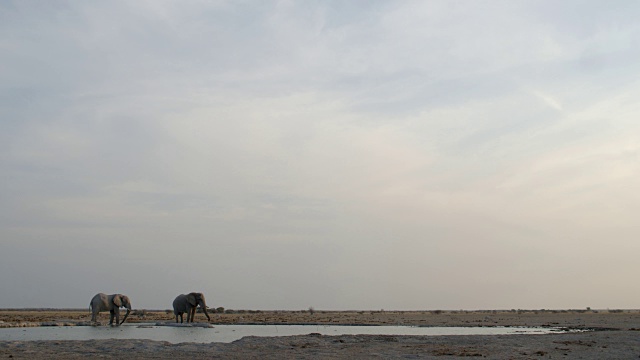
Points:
(187, 303)
(113, 303)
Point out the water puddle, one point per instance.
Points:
(229, 333)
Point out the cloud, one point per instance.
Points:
(333, 155)
(548, 100)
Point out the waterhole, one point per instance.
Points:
(229, 333)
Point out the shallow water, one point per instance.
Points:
(229, 333)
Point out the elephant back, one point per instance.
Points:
(180, 303)
(101, 302)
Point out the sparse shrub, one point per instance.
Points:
(220, 310)
(311, 310)
(229, 311)
(436, 312)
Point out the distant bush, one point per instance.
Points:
(220, 310)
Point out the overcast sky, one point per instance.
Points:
(333, 154)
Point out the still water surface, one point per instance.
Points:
(229, 333)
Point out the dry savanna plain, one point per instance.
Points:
(601, 334)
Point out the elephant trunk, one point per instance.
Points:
(125, 315)
(204, 310)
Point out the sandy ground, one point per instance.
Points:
(615, 335)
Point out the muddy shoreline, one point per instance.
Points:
(614, 335)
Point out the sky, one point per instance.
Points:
(397, 155)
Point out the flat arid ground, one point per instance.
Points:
(611, 335)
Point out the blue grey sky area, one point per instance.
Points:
(334, 154)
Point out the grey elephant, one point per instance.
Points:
(112, 303)
(187, 303)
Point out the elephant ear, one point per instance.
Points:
(117, 300)
(191, 298)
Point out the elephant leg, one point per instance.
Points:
(112, 314)
(93, 316)
(117, 313)
(193, 314)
